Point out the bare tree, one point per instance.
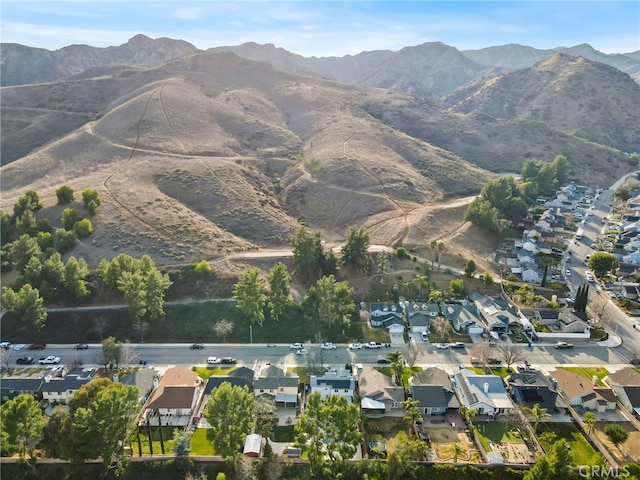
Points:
(246, 469)
(5, 358)
(411, 353)
(480, 353)
(442, 326)
(511, 353)
(129, 355)
(315, 358)
(141, 327)
(223, 328)
(100, 325)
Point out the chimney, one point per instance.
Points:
(594, 380)
(47, 379)
(486, 387)
(116, 378)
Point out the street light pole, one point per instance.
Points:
(251, 333)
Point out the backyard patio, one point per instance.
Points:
(511, 444)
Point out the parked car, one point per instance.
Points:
(373, 345)
(81, 346)
(5, 345)
(590, 278)
(228, 360)
(295, 346)
(567, 273)
(301, 351)
(50, 360)
(494, 361)
(37, 346)
(26, 361)
(328, 346)
(564, 345)
(458, 345)
(196, 346)
(425, 336)
(384, 361)
(355, 346)
(213, 361)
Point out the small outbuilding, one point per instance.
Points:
(253, 445)
(495, 458)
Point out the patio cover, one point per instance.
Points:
(286, 398)
(371, 404)
(495, 458)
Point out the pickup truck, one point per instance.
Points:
(373, 345)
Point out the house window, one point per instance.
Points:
(394, 404)
(282, 389)
(335, 390)
(262, 390)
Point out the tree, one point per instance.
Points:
(69, 218)
(442, 326)
(538, 413)
(91, 195)
(329, 431)
(467, 413)
(91, 207)
(602, 263)
(412, 413)
(223, 328)
(6, 356)
(63, 240)
(141, 327)
(75, 272)
(540, 471)
(250, 297)
(456, 450)
(203, 268)
(27, 305)
(56, 433)
(330, 301)
(589, 422)
(22, 425)
(355, 252)
(229, 411)
(411, 353)
(510, 354)
(83, 228)
(457, 288)
(65, 195)
(30, 200)
(279, 290)
(181, 442)
(22, 249)
(266, 414)
(397, 365)
(128, 354)
(27, 224)
(616, 433)
(435, 296)
(487, 279)
(470, 268)
(111, 351)
(308, 254)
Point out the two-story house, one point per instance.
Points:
(175, 397)
(334, 382)
(380, 395)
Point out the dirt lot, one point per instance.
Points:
(443, 438)
(629, 450)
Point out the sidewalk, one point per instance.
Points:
(611, 341)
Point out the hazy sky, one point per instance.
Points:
(328, 27)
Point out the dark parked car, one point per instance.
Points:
(196, 346)
(37, 346)
(81, 346)
(26, 361)
(384, 361)
(228, 360)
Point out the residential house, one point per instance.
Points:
(529, 388)
(60, 390)
(11, 387)
(495, 313)
(625, 383)
(433, 389)
(627, 270)
(385, 314)
(580, 392)
(334, 382)
(175, 397)
(463, 318)
(630, 292)
(141, 378)
(274, 384)
(380, 396)
(563, 321)
(419, 315)
(485, 393)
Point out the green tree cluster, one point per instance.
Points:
(602, 263)
(140, 282)
(65, 195)
(355, 253)
(22, 425)
(91, 200)
(329, 303)
(311, 258)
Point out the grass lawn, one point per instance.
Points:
(283, 433)
(167, 436)
(206, 372)
(589, 372)
(495, 432)
(581, 451)
(200, 444)
(406, 373)
(302, 373)
(391, 430)
(502, 372)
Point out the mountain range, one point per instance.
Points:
(198, 153)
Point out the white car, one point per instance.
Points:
(441, 346)
(295, 346)
(49, 360)
(590, 278)
(355, 346)
(568, 273)
(301, 351)
(328, 346)
(214, 361)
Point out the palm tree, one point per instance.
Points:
(397, 365)
(589, 422)
(456, 450)
(411, 412)
(538, 413)
(467, 413)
